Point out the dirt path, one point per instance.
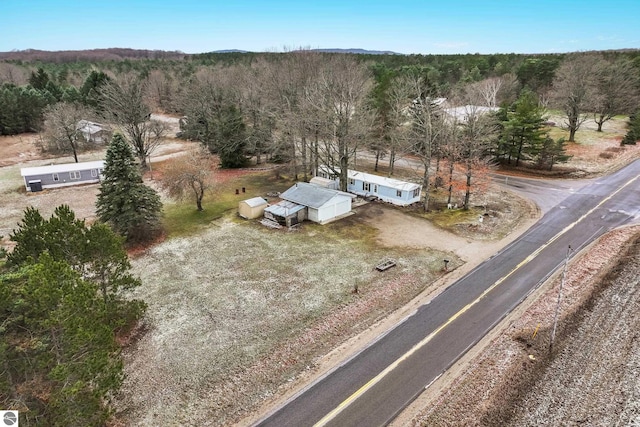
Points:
(397, 229)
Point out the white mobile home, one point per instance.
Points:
(41, 177)
(395, 191)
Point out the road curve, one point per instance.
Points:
(373, 387)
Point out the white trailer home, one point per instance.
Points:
(390, 190)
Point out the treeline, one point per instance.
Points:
(89, 55)
(307, 108)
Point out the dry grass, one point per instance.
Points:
(223, 301)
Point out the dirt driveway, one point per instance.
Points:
(398, 229)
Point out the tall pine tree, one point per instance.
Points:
(523, 132)
(125, 203)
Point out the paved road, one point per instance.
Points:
(546, 193)
(373, 387)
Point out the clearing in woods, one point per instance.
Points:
(240, 315)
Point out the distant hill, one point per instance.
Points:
(118, 54)
(231, 51)
(110, 54)
(357, 51)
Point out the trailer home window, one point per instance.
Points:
(56, 177)
(74, 175)
(366, 186)
(94, 173)
(398, 193)
(416, 192)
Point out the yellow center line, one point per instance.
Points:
(331, 415)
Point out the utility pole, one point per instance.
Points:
(555, 317)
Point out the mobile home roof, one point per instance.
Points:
(384, 181)
(66, 167)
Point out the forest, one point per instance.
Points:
(306, 108)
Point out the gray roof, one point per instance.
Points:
(284, 208)
(66, 167)
(310, 195)
(86, 126)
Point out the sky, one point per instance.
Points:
(402, 26)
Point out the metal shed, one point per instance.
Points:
(252, 208)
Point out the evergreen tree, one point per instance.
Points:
(633, 134)
(96, 253)
(125, 203)
(39, 79)
(230, 138)
(90, 90)
(60, 357)
(523, 131)
(21, 108)
(552, 152)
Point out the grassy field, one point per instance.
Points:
(182, 219)
(222, 301)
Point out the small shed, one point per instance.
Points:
(252, 208)
(63, 175)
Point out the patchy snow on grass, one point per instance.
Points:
(239, 308)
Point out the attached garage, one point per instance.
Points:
(252, 208)
(323, 204)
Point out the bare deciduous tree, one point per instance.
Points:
(161, 90)
(474, 138)
(61, 128)
(189, 175)
(488, 90)
(10, 73)
(575, 88)
(402, 93)
(338, 98)
(617, 87)
(123, 102)
(428, 131)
